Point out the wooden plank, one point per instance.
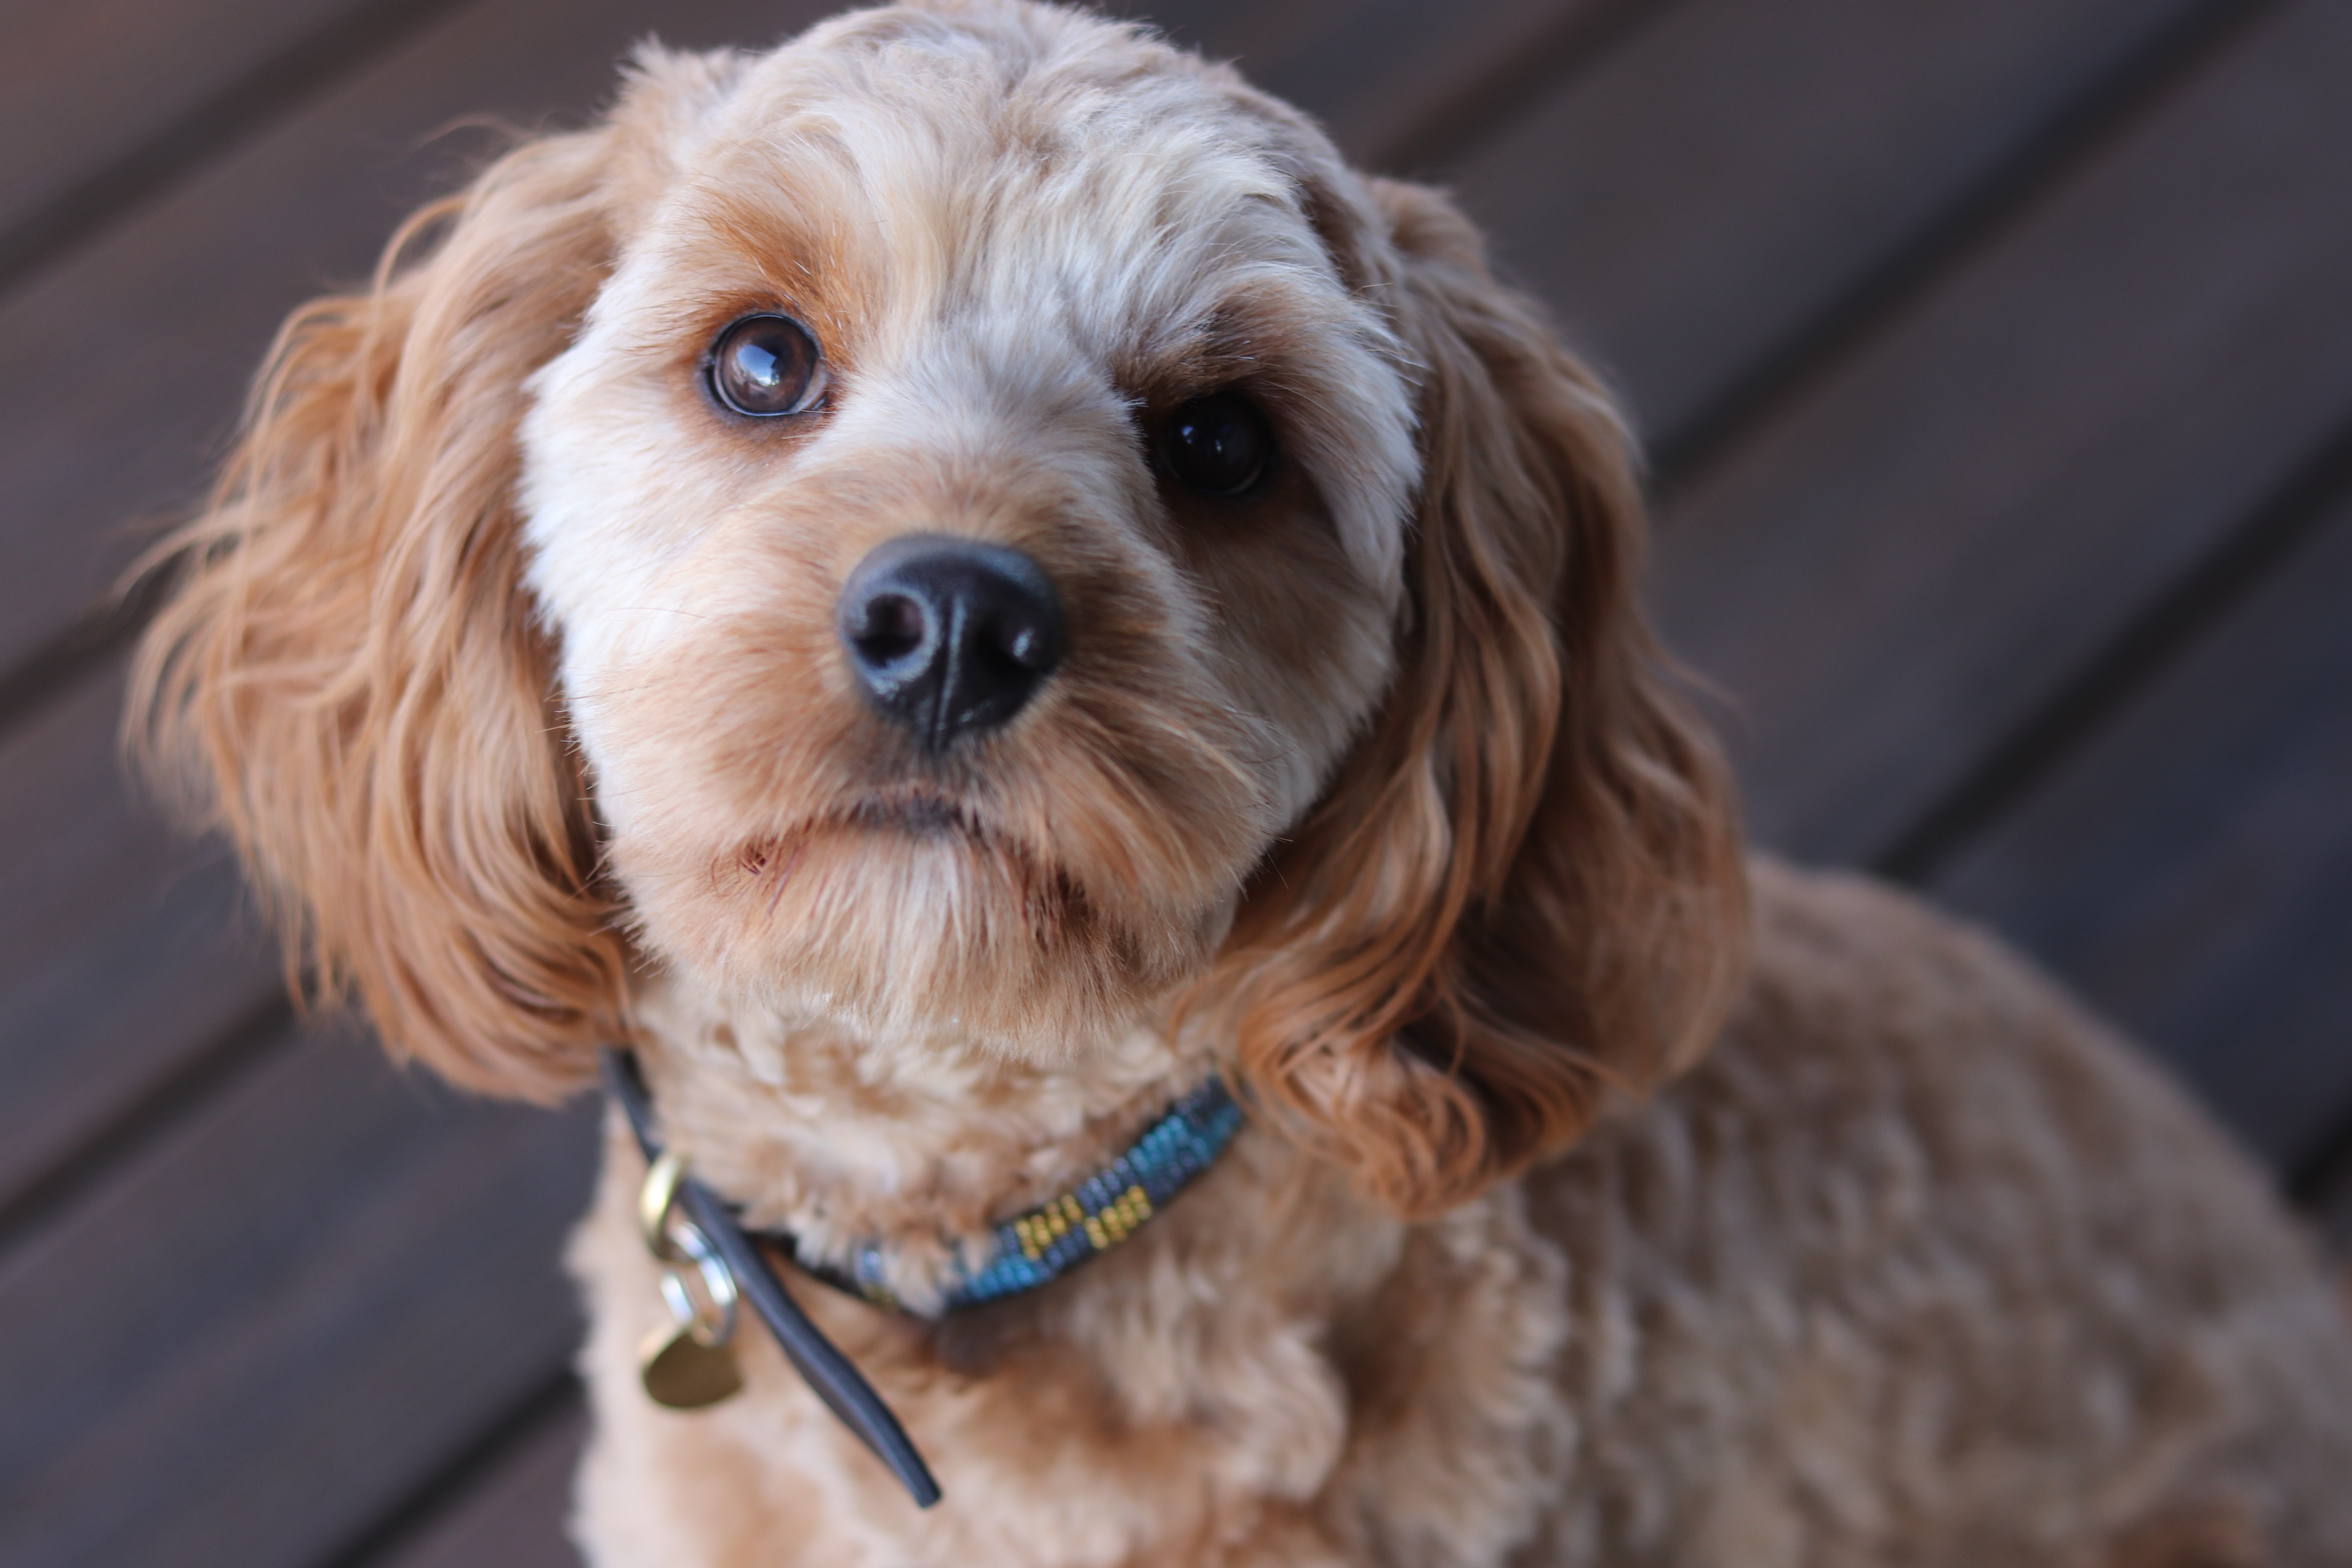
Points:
(2190, 868)
(515, 1517)
(92, 86)
(1386, 77)
(125, 951)
(1898, 569)
(279, 1319)
(1732, 169)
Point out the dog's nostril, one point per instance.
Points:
(948, 636)
(889, 627)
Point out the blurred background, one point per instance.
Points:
(1995, 361)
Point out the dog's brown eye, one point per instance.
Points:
(767, 365)
(1218, 444)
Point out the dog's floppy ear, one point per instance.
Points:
(348, 673)
(1525, 887)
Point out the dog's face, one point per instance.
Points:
(977, 528)
(972, 518)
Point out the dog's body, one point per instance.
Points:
(1918, 1265)
(954, 579)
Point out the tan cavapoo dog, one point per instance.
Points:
(963, 583)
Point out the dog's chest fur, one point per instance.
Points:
(1876, 1282)
(1259, 1377)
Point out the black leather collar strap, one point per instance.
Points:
(834, 1378)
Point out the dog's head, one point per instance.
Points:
(976, 528)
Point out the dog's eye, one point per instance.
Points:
(766, 365)
(1218, 444)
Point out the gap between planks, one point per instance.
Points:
(2135, 658)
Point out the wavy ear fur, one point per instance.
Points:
(1525, 888)
(348, 674)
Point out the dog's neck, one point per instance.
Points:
(920, 1145)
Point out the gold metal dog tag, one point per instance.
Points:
(683, 1374)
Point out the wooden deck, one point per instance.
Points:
(1996, 357)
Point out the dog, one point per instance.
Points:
(961, 581)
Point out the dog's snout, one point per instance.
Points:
(949, 637)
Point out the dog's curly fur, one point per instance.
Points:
(507, 655)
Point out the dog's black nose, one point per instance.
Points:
(948, 636)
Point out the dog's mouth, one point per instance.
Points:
(887, 823)
(874, 842)
(909, 814)
(917, 814)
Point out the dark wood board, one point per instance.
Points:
(512, 1517)
(2190, 868)
(1389, 78)
(126, 951)
(1732, 169)
(279, 1318)
(93, 86)
(1887, 578)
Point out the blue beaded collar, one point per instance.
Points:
(1048, 1241)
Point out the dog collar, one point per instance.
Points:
(1032, 1249)
(1041, 1245)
